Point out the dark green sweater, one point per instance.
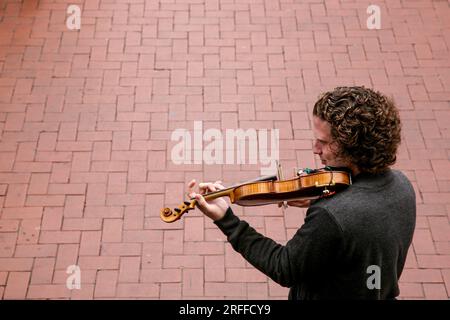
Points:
(333, 254)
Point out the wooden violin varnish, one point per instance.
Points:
(309, 184)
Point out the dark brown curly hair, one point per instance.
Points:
(365, 125)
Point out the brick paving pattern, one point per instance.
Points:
(86, 118)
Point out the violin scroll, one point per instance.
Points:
(168, 215)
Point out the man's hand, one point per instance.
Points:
(214, 209)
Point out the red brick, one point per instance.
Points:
(42, 271)
(152, 255)
(98, 263)
(67, 188)
(218, 289)
(101, 150)
(117, 182)
(59, 237)
(173, 242)
(15, 177)
(193, 282)
(410, 290)
(16, 264)
(426, 181)
(421, 275)
(67, 255)
(9, 225)
(82, 224)
(440, 228)
(68, 131)
(16, 195)
(29, 231)
(81, 161)
(194, 229)
(121, 140)
(26, 151)
(8, 244)
(109, 166)
(85, 293)
(74, 206)
(90, 243)
(48, 291)
(133, 218)
(89, 177)
(22, 166)
(129, 269)
(37, 250)
(204, 248)
(53, 156)
(435, 291)
(14, 121)
(105, 284)
(103, 211)
(170, 291)
(257, 291)
(214, 269)
(47, 141)
(112, 230)
(17, 285)
(48, 200)
(423, 242)
(74, 146)
(140, 131)
(161, 275)
(96, 194)
(137, 290)
(434, 261)
(275, 228)
(7, 161)
(121, 249)
(52, 218)
(441, 169)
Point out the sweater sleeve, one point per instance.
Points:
(306, 256)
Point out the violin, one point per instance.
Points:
(308, 185)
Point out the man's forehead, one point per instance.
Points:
(321, 127)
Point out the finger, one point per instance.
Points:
(191, 186)
(212, 187)
(203, 187)
(201, 202)
(218, 185)
(206, 187)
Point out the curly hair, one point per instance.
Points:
(365, 125)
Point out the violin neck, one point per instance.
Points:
(217, 194)
(227, 191)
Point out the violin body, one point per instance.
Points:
(318, 184)
(311, 186)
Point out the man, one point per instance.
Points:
(352, 245)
